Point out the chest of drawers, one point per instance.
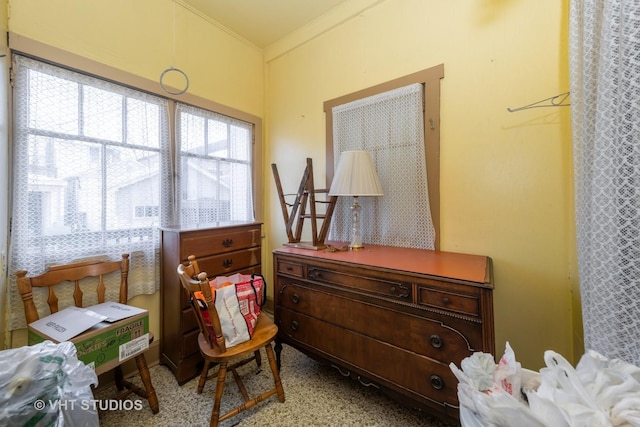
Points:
(221, 250)
(389, 317)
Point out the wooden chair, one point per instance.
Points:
(56, 276)
(214, 350)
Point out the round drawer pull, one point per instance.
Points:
(294, 326)
(295, 298)
(436, 382)
(436, 341)
(446, 301)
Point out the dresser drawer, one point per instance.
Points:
(450, 301)
(203, 245)
(368, 284)
(290, 268)
(221, 265)
(412, 332)
(189, 322)
(409, 372)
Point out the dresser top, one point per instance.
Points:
(472, 268)
(210, 225)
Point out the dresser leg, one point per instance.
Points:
(278, 350)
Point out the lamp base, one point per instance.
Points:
(356, 241)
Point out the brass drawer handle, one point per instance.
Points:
(436, 382)
(227, 263)
(435, 341)
(295, 298)
(227, 243)
(294, 325)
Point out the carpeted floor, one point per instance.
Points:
(315, 395)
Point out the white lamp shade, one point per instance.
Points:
(355, 176)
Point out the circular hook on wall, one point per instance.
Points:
(177, 70)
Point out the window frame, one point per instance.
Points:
(430, 80)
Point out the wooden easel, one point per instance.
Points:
(306, 194)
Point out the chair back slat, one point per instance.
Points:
(52, 300)
(65, 275)
(77, 293)
(101, 290)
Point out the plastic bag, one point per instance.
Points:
(45, 384)
(598, 392)
(490, 395)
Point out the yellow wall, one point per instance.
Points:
(506, 178)
(506, 183)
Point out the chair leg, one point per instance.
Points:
(204, 375)
(276, 372)
(258, 358)
(150, 392)
(215, 412)
(119, 378)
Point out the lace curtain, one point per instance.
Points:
(91, 171)
(214, 176)
(605, 91)
(390, 126)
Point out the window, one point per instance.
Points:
(215, 167)
(92, 173)
(368, 120)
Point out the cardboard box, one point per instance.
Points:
(110, 333)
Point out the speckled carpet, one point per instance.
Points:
(315, 395)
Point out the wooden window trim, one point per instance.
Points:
(430, 80)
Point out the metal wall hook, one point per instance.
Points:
(177, 70)
(554, 101)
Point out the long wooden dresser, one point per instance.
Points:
(221, 250)
(389, 317)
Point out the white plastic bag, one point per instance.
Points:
(489, 394)
(34, 380)
(598, 392)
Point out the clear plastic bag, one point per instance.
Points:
(45, 384)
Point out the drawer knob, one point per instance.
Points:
(435, 341)
(399, 291)
(295, 298)
(314, 274)
(436, 382)
(227, 263)
(227, 243)
(446, 301)
(294, 326)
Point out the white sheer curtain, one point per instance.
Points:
(91, 178)
(214, 173)
(605, 91)
(390, 126)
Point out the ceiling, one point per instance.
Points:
(263, 22)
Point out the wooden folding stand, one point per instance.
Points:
(306, 194)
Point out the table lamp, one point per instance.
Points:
(355, 176)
